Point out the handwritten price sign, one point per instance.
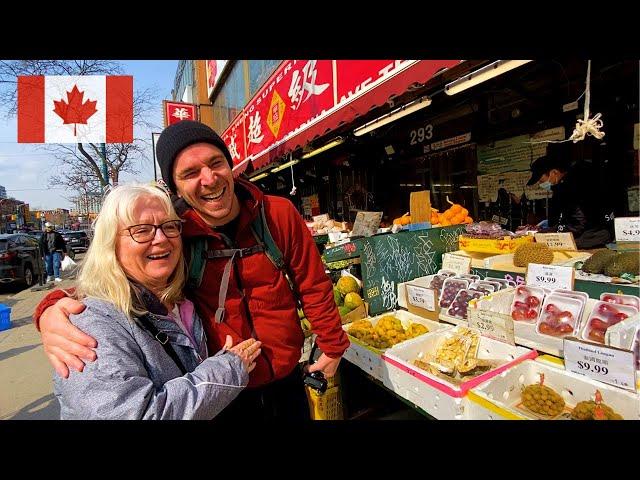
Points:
(456, 263)
(627, 229)
(493, 325)
(421, 297)
(602, 363)
(550, 276)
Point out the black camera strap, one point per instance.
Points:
(147, 324)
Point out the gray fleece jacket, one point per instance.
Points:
(134, 378)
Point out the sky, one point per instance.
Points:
(25, 168)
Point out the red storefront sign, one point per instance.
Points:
(304, 99)
(175, 112)
(298, 91)
(234, 138)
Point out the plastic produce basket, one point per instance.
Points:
(325, 406)
(5, 317)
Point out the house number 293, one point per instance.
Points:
(421, 134)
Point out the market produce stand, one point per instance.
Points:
(392, 259)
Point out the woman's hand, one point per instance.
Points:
(248, 351)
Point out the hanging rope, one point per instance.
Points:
(585, 126)
(293, 180)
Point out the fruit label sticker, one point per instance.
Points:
(456, 263)
(550, 276)
(493, 325)
(627, 229)
(602, 363)
(557, 241)
(421, 297)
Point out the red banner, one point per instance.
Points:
(356, 76)
(297, 92)
(303, 93)
(175, 112)
(234, 138)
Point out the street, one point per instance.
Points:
(26, 391)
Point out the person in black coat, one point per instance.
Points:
(54, 248)
(578, 205)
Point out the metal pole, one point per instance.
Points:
(153, 149)
(105, 170)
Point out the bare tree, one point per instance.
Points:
(82, 163)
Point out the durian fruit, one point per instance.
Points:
(542, 400)
(532, 253)
(596, 262)
(626, 262)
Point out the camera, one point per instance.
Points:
(316, 381)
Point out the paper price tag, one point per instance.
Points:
(627, 229)
(605, 364)
(557, 241)
(550, 276)
(493, 325)
(421, 297)
(456, 263)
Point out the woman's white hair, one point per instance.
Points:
(101, 275)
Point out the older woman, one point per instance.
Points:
(152, 356)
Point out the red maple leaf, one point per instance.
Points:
(75, 111)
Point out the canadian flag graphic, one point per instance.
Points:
(75, 109)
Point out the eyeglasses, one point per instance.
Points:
(146, 232)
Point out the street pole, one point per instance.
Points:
(105, 171)
(153, 149)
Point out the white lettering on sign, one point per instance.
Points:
(456, 263)
(421, 297)
(550, 276)
(493, 325)
(627, 229)
(421, 134)
(557, 241)
(602, 363)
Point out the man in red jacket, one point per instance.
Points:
(244, 296)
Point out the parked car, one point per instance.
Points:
(20, 259)
(77, 241)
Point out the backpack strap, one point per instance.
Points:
(263, 236)
(147, 324)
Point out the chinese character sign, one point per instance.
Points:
(234, 138)
(296, 93)
(175, 112)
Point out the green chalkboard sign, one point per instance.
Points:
(387, 260)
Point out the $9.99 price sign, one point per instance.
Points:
(600, 362)
(550, 276)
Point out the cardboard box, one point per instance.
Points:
(361, 312)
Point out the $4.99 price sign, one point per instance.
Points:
(602, 363)
(627, 229)
(550, 276)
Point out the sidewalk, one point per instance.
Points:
(26, 385)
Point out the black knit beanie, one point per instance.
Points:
(177, 137)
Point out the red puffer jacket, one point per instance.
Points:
(271, 304)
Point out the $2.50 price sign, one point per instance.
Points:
(602, 363)
(493, 325)
(421, 297)
(550, 276)
(627, 229)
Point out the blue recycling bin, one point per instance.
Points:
(5, 317)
